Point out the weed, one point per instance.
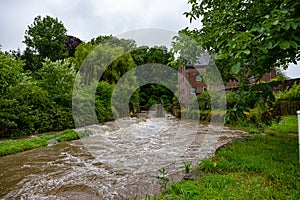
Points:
(187, 167)
(163, 178)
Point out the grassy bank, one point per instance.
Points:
(262, 167)
(8, 147)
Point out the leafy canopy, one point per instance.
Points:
(257, 33)
(45, 38)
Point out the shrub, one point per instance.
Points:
(291, 94)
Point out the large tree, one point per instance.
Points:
(154, 93)
(248, 36)
(45, 38)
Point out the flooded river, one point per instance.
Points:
(120, 160)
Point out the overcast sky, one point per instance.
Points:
(87, 19)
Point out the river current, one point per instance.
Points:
(121, 160)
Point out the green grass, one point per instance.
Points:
(247, 126)
(15, 146)
(262, 167)
(68, 135)
(288, 124)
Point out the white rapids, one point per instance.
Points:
(120, 160)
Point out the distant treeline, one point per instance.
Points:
(36, 85)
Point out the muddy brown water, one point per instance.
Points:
(120, 161)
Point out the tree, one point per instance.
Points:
(10, 76)
(126, 44)
(57, 78)
(103, 58)
(81, 52)
(153, 93)
(187, 46)
(20, 99)
(45, 38)
(249, 37)
(71, 44)
(103, 101)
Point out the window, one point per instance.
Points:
(198, 78)
(192, 90)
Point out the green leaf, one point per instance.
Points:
(221, 56)
(294, 44)
(258, 29)
(275, 22)
(269, 45)
(294, 25)
(264, 49)
(284, 45)
(286, 26)
(247, 52)
(237, 55)
(262, 106)
(236, 68)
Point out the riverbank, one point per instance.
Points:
(119, 161)
(13, 146)
(264, 166)
(254, 166)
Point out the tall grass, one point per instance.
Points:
(262, 167)
(288, 124)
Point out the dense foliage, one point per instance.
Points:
(110, 58)
(292, 93)
(151, 94)
(248, 39)
(288, 101)
(45, 38)
(31, 105)
(259, 34)
(37, 84)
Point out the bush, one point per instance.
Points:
(203, 116)
(291, 94)
(287, 102)
(204, 101)
(33, 103)
(103, 101)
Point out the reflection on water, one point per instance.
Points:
(120, 161)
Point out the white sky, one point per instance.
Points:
(87, 19)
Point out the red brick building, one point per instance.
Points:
(190, 82)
